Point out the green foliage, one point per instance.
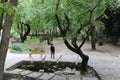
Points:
(6, 8)
(82, 13)
(112, 29)
(41, 16)
(114, 5)
(13, 34)
(18, 48)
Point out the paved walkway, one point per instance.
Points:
(108, 67)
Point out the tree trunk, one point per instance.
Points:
(85, 59)
(5, 40)
(74, 46)
(84, 62)
(78, 51)
(23, 38)
(42, 1)
(4, 44)
(1, 20)
(1, 17)
(48, 38)
(93, 46)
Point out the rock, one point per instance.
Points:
(41, 71)
(58, 72)
(77, 73)
(68, 71)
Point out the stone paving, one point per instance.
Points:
(108, 67)
(44, 76)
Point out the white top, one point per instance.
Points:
(30, 52)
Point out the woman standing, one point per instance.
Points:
(52, 49)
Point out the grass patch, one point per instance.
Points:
(18, 48)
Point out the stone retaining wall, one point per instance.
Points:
(66, 74)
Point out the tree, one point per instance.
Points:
(5, 38)
(23, 18)
(1, 16)
(35, 14)
(78, 18)
(93, 42)
(112, 26)
(24, 31)
(103, 15)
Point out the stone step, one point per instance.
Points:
(58, 77)
(25, 72)
(34, 75)
(90, 78)
(14, 71)
(73, 77)
(46, 76)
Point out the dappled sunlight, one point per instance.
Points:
(38, 51)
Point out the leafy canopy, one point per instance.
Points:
(42, 15)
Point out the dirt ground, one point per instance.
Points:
(60, 48)
(105, 60)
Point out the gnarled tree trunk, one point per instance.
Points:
(84, 62)
(24, 33)
(65, 29)
(23, 38)
(78, 51)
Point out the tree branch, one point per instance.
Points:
(88, 34)
(68, 23)
(13, 2)
(3, 1)
(74, 43)
(59, 24)
(57, 5)
(69, 46)
(91, 11)
(42, 1)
